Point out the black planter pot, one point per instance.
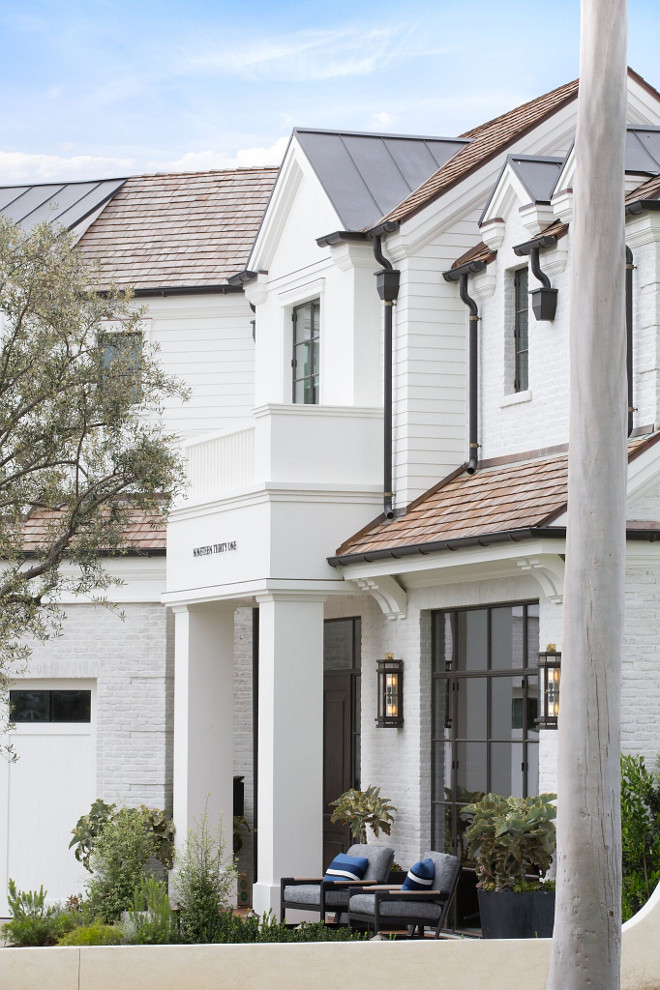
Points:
(505, 914)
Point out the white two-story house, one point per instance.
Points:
(395, 488)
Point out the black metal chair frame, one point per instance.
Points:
(383, 894)
(325, 887)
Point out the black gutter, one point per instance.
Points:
(424, 549)
(542, 241)
(341, 236)
(461, 274)
(188, 290)
(388, 281)
(242, 277)
(642, 206)
(629, 335)
(490, 539)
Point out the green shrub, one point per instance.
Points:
(640, 833)
(119, 856)
(234, 928)
(32, 922)
(150, 917)
(89, 827)
(96, 933)
(203, 882)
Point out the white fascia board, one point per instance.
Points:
(143, 581)
(643, 107)
(294, 491)
(295, 166)
(246, 592)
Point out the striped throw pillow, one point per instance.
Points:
(420, 876)
(345, 867)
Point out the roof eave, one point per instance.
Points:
(458, 543)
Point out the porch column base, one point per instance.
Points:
(266, 897)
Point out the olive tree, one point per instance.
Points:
(587, 936)
(82, 444)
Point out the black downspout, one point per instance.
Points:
(629, 335)
(387, 282)
(536, 268)
(473, 371)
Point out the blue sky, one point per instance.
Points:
(112, 87)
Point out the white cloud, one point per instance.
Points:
(382, 119)
(308, 55)
(20, 167)
(200, 161)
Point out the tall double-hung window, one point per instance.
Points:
(305, 362)
(520, 331)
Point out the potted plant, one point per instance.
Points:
(512, 841)
(359, 809)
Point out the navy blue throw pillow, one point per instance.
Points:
(420, 876)
(345, 867)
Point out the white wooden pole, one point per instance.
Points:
(587, 937)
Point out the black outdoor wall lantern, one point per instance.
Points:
(549, 680)
(390, 692)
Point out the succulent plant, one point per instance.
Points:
(511, 839)
(359, 809)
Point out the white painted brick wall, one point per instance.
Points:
(132, 662)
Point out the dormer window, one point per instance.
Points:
(305, 361)
(520, 331)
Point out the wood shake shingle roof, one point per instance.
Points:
(525, 495)
(144, 532)
(488, 140)
(181, 230)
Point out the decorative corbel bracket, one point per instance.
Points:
(548, 571)
(389, 594)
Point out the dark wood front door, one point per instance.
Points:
(341, 724)
(336, 758)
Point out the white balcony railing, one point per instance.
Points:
(220, 463)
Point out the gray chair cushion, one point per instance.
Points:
(446, 870)
(424, 910)
(380, 861)
(310, 893)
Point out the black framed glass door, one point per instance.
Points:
(484, 734)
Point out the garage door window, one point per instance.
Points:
(50, 706)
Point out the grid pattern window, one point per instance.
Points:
(520, 330)
(50, 706)
(125, 351)
(305, 361)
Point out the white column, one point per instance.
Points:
(203, 717)
(290, 785)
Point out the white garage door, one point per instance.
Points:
(52, 783)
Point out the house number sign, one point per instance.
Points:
(214, 548)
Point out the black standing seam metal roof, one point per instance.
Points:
(537, 173)
(366, 175)
(66, 203)
(643, 150)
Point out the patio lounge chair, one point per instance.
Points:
(389, 907)
(324, 896)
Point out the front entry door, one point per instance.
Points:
(341, 717)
